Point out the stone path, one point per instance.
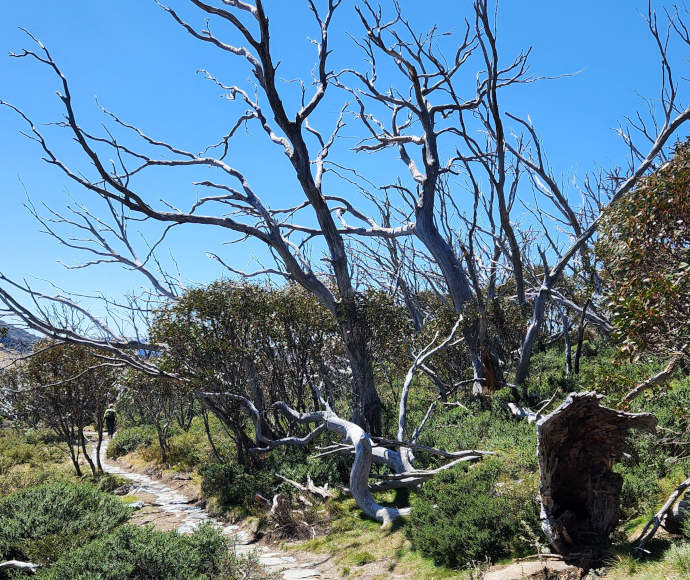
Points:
(166, 508)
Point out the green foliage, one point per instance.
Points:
(462, 517)
(645, 247)
(109, 482)
(232, 484)
(136, 552)
(462, 428)
(187, 449)
(295, 463)
(657, 462)
(29, 458)
(130, 439)
(40, 523)
(224, 335)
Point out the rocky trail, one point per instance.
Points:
(165, 506)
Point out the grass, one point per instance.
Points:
(670, 561)
(357, 545)
(31, 457)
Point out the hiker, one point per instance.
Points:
(110, 421)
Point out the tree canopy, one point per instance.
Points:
(645, 245)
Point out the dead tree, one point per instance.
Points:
(305, 148)
(432, 111)
(577, 445)
(396, 454)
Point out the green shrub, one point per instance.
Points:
(187, 449)
(232, 484)
(42, 522)
(462, 517)
(296, 464)
(464, 429)
(136, 552)
(109, 482)
(130, 439)
(32, 448)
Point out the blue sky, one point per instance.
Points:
(140, 64)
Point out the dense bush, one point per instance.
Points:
(232, 485)
(462, 428)
(462, 517)
(136, 552)
(657, 462)
(187, 449)
(130, 439)
(42, 522)
(296, 463)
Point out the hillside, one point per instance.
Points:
(16, 339)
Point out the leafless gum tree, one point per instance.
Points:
(442, 133)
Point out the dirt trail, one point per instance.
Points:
(168, 509)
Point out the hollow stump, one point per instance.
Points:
(577, 445)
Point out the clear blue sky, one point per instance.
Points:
(140, 64)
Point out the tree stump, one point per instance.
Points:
(577, 445)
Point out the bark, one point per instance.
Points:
(75, 458)
(99, 443)
(677, 515)
(359, 474)
(82, 442)
(366, 404)
(577, 445)
(566, 339)
(207, 428)
(580, 338)
(162, 443)
(532, 333)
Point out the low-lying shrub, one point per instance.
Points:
(42, 522)
(232, 485)
(29, 458)
(135, 552)
(462, 517)
(130, 439)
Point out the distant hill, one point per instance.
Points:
(16, 339)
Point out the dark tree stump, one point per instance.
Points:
(577, 445)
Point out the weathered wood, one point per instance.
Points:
(653, 524)
(659, 377)
(577, 445)
(678, 515)
(322, 492)
(17, 565)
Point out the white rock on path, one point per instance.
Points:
(170, 501)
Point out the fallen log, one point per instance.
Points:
(653, 524)
(677, 516)
(577, 445)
